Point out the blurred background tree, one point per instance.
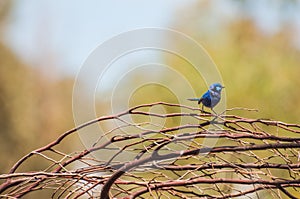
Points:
(34, 108)
(259, 66)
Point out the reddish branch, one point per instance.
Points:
(270, 184)
(156, 156)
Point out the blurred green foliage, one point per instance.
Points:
(260, 70)
(34, 109)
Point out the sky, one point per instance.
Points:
(65, 33)
(69, 30)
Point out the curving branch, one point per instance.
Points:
(184, 154)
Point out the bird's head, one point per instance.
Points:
(217, 87)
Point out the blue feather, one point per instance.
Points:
(211, 97)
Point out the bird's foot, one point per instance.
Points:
(206, 112)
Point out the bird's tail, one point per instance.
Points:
(199, 100)
(193, 99)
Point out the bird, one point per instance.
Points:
(211, 97)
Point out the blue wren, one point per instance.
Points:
(212, 97)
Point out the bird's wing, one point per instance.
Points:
(206, 94)
(206, 99)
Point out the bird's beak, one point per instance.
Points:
(223, 86)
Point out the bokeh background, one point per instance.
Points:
(255, 44)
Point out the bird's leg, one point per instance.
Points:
(215, 116)
(203, 111)
(214, 111)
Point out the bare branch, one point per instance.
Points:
(192, 155)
